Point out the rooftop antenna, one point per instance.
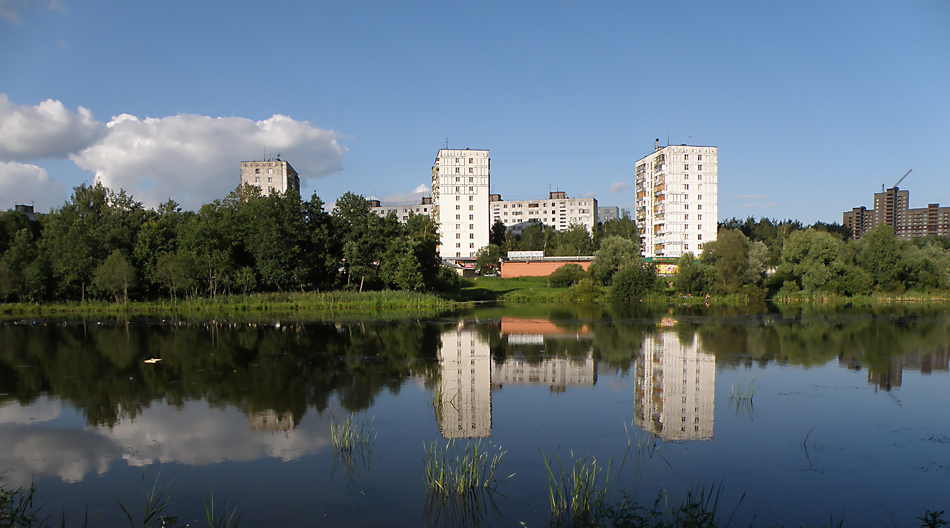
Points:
(667, 140)
(265, 153)
(446, 147)
(690, 142)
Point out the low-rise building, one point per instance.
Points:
(404, 211)
(557, 211)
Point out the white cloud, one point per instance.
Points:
(590, 194)
(617, 187)
(47, 130)
(194, 159)
(414, 197)
(26, 184)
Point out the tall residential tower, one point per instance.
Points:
(272, 175)
(460, 181)
(677, 199)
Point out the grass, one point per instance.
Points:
(454, 470)
(352, 444)
(16, 507)
(577, 494)
(334, 301)
(698, 509)
(742, 397)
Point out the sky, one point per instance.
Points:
(813, 105)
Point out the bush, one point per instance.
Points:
(566, 275)
(633, 281)
(584, 290)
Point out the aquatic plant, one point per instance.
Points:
(227, 519)
(16, 507)
(157, 499)
(699, 509)
(450, 469)
(352, 435)
(577, 494)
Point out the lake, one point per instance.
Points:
(796, 416)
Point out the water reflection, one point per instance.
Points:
(675, 388)
(890, 375)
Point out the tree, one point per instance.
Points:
(614, 253)
(575, 241)
(624, 227)
(879, 254)
(498, 234)
(114, 276)
(728, 257)
(486, 260)
(689, 276)
(633, 281)
(177, 271)
(566, 275)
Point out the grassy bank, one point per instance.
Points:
(294, 302)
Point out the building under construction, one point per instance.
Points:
(892, 207)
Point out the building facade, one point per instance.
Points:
(271, 176)
(608, 213)
(460, 188)
(892, 207)
(403, 212)
(677, 199)
(558, 211)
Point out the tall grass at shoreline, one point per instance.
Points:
(341, 301)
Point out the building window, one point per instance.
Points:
(472, 207)
(700, 197)
(699, 167)
(685, 167)
(471, 198)
(699, 237)
(458, 217)
(270, 171)
(257, 179)
(686, 186)
(457, 170)
(686, 157)
(700, 206)
(700, 176)
(471, 160)
(458, 226)
(471, 170)
(685, 217)
(686, 247)
(699, 217)
(471, 189)
(457, 207)
(457, 178)
(699, 157)
(471, 235)
(458, 235)
(471, 217)
(471, 226)
(257, 171)
(471, 245)
(458, 244)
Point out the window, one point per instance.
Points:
(699, 167)
(686, 186)
(471, 235)
(471, 198)
(685, 167)
(471, 226)
(471, 160)
(457, 207)
(699, 237)
(457, 178)
(686, 247)
(700, 197)
(457, 197)
(471, 189)
(257, 179)
(270, 180)
(458, 235)
(700, 176)
(470, 179)
(457, 170)
(458, 226)
(700, 206)
(686, 157)
(699, 157)
(471, 170)
(699, 217)
(685, 217)
(472, 207)
(471, 245)
(270, 171)
(257, 171)
(686, 207)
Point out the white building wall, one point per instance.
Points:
(403, 212)
(460, 186)
(677, 199)
(559, 213)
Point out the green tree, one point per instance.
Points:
(566, 275)
(614, 253)
(498, 234)
(23, 271)
(574, 241)
(633, 281)
(728, 257)
(115, 276)
(689, 276)
(624, 227)
(879, 254)
(486, 260)
(177, 271)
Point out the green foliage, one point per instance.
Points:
(633, 281)
(728, 257)
(614, 253)
(566, 276)
(486, 260)
(585, 290)
(879, 253)
(115, 276)
(689, 277)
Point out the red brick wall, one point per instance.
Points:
(536, 269)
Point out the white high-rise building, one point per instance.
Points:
(677, 199)
(460, 182)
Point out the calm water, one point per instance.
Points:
(848, 415)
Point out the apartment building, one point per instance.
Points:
(892, 207)
(558, 211)
(608, 213)
(460, 183)
(677, 199)
(403, 212)
(273, 175)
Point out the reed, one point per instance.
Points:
(228, 518)
(577, 494)
(454, 470)
(353, 435)
(157, 499)
(16, 507)
(742, 394)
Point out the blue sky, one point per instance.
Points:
(813, 105)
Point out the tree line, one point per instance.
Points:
(104, 244)
(766, 258)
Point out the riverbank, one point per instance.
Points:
(336, 301)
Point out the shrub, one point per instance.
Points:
(585, 290)
(633, 281)
(566, 275)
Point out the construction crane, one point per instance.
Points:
(902, 178)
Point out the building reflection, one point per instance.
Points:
(890, 375)
(470, 373)
(675, 388)
(269, 420)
